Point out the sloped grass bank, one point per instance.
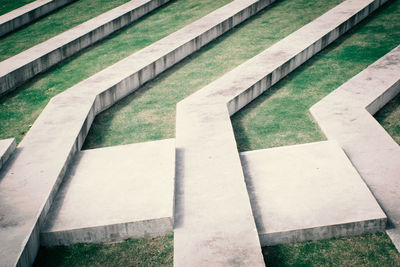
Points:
(7, 5)
(56, 22)
(20, 108)
(389, 118)
(281, 115)
(149, 113)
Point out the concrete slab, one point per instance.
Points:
(7, 147)
(18, 69)
(28, 188)
(28, 13)
(345, 115)
(111, 194)
(214, 222)
(320, 196)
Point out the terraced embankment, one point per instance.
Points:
(389, 118)
(20, 108)
(281, 116)
(149, 114)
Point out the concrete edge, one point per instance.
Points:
(24, 15)
(7, 147)
(20, 68)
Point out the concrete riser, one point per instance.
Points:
(272, 78)
(323, 232)
(109, 233)
(19, 76)
(16, 22)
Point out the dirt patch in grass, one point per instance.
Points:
(281, 115)
(366, 250)
(389, 118)
(134, 252)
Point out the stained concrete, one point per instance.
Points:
(18, 69)
(7, 147)
(26, 14)
(111, 194)
(214, 222)
(28, 188)
(320, 196)
(345, 115)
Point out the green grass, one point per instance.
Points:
(9, 5)
(53, 24)
(134, 252)
(281, 115)
(366, 250)
(20, 108)
(389, 117)
(149, 114)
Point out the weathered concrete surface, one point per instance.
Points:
(28, 188)
(214, 223)
(7, 147)
(18, 69)
(28, 13)
(111, 194)
(345, 115)
(320, 196)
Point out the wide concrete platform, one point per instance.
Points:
(28, 13)
(7, 147)
(214, 222)
(115, 193)
(16, 70)
(308, 192)
(28, 188)
(345, 115)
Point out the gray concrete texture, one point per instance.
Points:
(20, 68)
(345, 115)
(7, 147)
(320, 196)
(111, 194)
(28, 188)
(26, 14)
(214, 221)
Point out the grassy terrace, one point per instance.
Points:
(149, 114)
(389, 117)
(20, 108)
(56, 22)
(7, 5)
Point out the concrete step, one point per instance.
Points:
(7, 147)
(29, 187)
(28, 13)
(214, 221)
(114, 193)
(18, 69)
(308, 192)
(345, 115)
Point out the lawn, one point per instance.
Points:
(389, 117)
(20, 108)
(56, 22)
(7, 5)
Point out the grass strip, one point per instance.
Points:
(149, 113)
(281, 115)
(134, 252)
(56, 22)
(20, 108)
(7, 5)
(389, 118)
(365, 250)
